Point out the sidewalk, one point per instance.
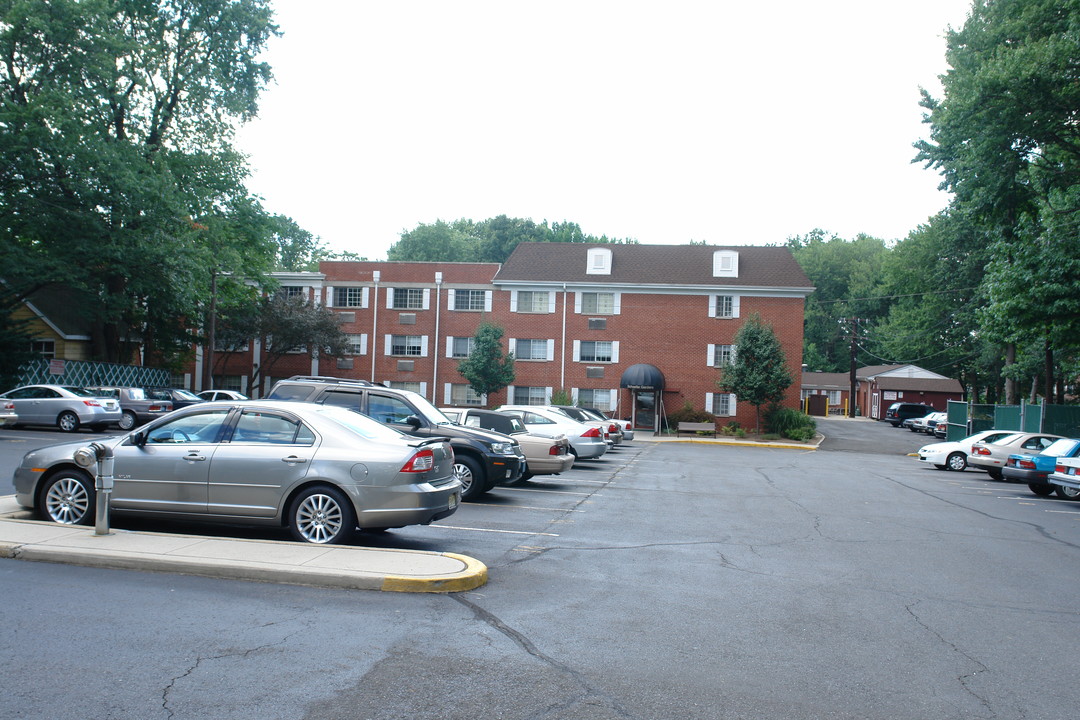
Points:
(334, 566)
(640, 436)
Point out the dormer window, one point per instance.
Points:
(599, 261)
(725, 263)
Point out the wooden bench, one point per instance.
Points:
(695, 428)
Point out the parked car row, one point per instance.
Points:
(1031, 458)
(70, 408)
(324, 457)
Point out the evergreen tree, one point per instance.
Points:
(758, 374)
(487, 369)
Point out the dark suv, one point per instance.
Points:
(901, 411)
(481, 458)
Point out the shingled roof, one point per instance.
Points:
(681, 265)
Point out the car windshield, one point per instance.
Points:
(1060, 448)
(1006, 440)
(360, 424)
(78, 391)
(186, 395)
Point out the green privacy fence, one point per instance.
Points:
(965, 419)
(76, 372)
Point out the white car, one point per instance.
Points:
(953, 455)
(214, 395)
(586, 441)
(1066, 476)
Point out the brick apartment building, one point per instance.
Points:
(617, 326)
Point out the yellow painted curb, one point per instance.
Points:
(474, 575)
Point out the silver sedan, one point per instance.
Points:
(65, 406)
(320, 470)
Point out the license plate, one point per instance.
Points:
(1072, 470)
(453, 501)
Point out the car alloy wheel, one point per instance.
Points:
(68, 498)
(1068, 493)
(466, 470)
(68, 421)
(127, 420)
(321, 515)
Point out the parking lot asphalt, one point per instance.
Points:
(337, 566)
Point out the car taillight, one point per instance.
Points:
(1061, 469)
(92, 403)
(976, 450)
(553, 450)
(1026, 464)
(155, 408)
(421, 461)
(613, 428)
(591, 432)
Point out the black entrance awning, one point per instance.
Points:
(642, 377)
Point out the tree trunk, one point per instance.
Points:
(1048, 374)
(1010, 384)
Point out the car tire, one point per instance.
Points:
(1041, 490)
(996, 474)
(322, 515)
(1067, 493)
(127, 420)
(67, 421)
(472, 479)
(68, 498)
(956, 461)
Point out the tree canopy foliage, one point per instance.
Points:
(487, 368)
(489, 240)
(118, 176)
(758, 373)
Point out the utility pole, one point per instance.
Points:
(852, 323)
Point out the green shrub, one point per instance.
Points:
(687, 413)
(791, 424)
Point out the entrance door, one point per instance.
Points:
(645, 409)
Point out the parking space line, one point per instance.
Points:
(1065, 512)
(505, 532)
(546, 492)
(521, 507)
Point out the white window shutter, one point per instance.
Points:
(389, 341)
(450, 299)
(427, 298)
(708, 402)
(614, 398)
(329, 297)
(551, 302)
(509, 394)
(364, 301)
(363, 344)
(487, 301)
(423, 389)
(511, 345)
(449, 347)
(447, 393)
(547, 395)
(615, 351)
(573, 396)
(712, 306)
(423, 345)
(513, 300)
(735, 305)
(711, 361)
(577, 302)
(617, 307)
(551, 349)
(577, 351)
(731, 404)
(390, 298)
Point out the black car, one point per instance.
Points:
(179, 397)
(138, 408)
(901, 411)
(482, 459)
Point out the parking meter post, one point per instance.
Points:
(104, 486)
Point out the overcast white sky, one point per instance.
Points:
(729, 122)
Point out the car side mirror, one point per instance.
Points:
(414, 422)
(138, 439)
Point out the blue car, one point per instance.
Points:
(1035, 469)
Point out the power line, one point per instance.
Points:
(897, 297)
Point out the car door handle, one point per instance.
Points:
(194, 456)
(293, 459)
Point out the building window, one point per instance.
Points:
(44, 348)
(470, 299)
(357, 344)
(408, 298)
(460, 347)
(529, 349)
(599, 399)
(529, 396)
(415, 387)
(723, 404)
(407, 345)
(462, 395)
(529, 301)
(595, 351)
(599, 262)
(229, 382)
(291, 291)
(722, 355)
(596, 303)
(725, 306)
(349, 297)
(725, 263)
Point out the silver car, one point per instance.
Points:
(320, 470)
(65, 406)
(8, 416)
(586, 441)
